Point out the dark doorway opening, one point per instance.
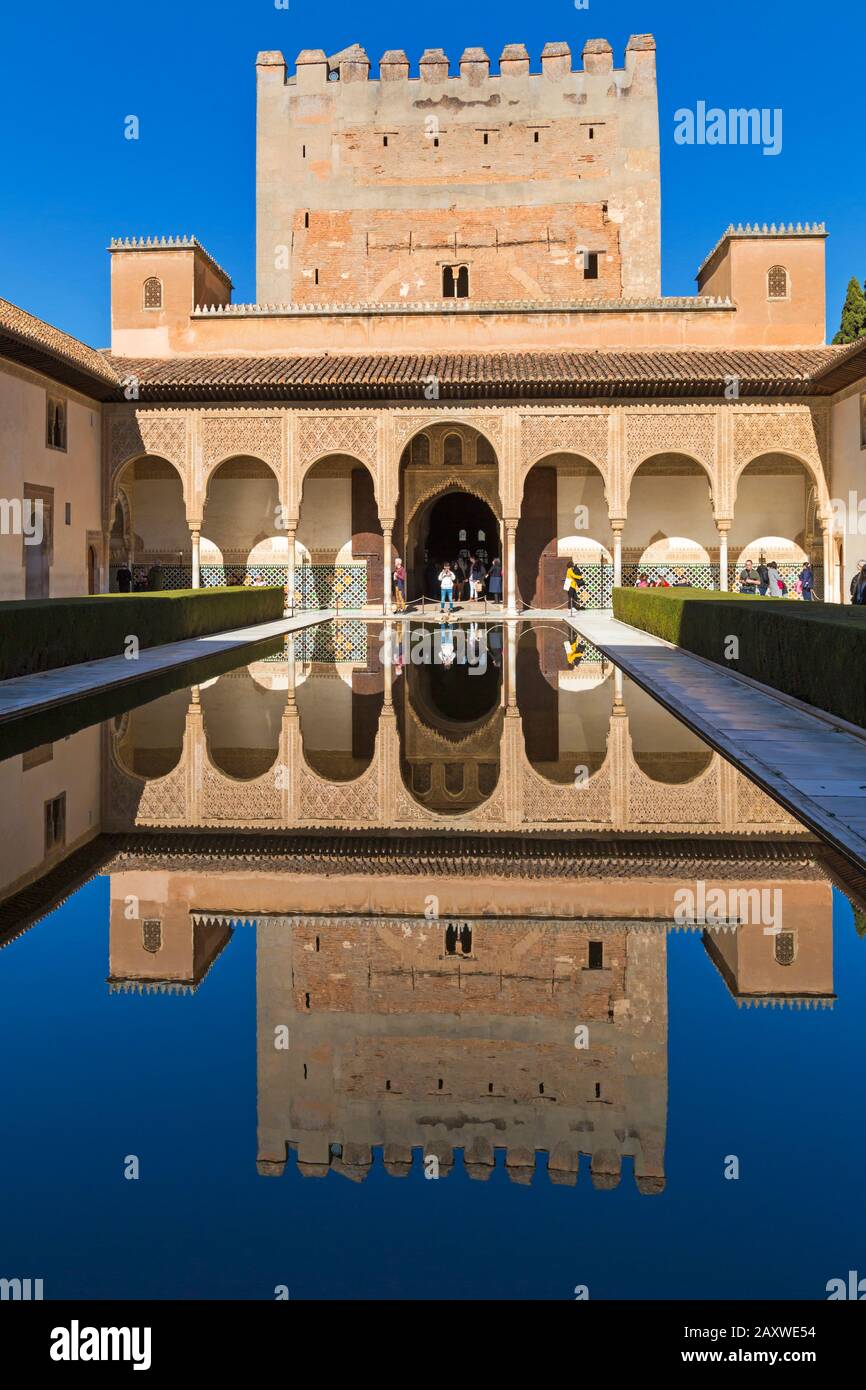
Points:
(455, 526)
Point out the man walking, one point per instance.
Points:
(748, 579)
(807, 582)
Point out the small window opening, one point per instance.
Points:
(535, 136)
(305, 1071)
(306, 219)
(439, 1084)
(541, 1088)
(316, 277)
(306, 1001)
(317, 943)
(777, 282)
(490, 1088)
(435, 142)
(598, 1090)
(590, 265)
(387, 1085)
(451, 939)
(55, 822)
(466, 939)
(455, 282)
(68, 513)
(151, 935)
(385, 140)
(596, 955)
(486, 138)
(591, 133)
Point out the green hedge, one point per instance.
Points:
(813, 651)
(39, 634)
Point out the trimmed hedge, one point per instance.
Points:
(40, 634)
(813, 651)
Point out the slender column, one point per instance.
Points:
(617, 526)
(827, 537)
(291, 704)
(511, 666)
(290, 576)
(388, 663)
(196, 557)
(511, 566)
(723, 527)
(387, 561)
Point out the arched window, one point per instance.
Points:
(777, 282)
(153, 293)
(785, 948)
(421, 450)
(151, 935)
(453, 451)
(455, 282)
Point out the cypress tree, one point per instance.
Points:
(853, 325)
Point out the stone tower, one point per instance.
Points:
(515, 186)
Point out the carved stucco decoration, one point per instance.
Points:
(422, 486)
(135, 433)
(658, 431)
(676, 805)
(551, 803)
(228, 801)
(354, 433)
(759, 811)
(798, 431)
(586, 435)
(407, 424)
(322, 802)
(246, 434)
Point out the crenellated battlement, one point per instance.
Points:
(313, 67)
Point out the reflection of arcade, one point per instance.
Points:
(449, 713)
(461, 1031)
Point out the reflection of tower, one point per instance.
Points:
(155, 945)
(395, 1041)
(792, 966)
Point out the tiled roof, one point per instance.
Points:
(760, 372)
(846, 367)
(39, 345)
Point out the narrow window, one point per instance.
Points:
(598, 1090)
(466, 939)
(55, 423)
(439, 1084)
(385, 141)
(435, 142)
(462, 291)
(317, 277)
(596, 955)
(590, 265)
(303, 152)
(486, 138)
(68, 513)
(306, 219)
(305, 1071)
(591, 133)
(153, 293)
(306, 1001)
(777, 282)
(387, 1085)
(451, 940)
(55, 822)
(490, 1088)
(536, 136)
(447, 282)
(541, 1088)
(151, 935)
(317, 943)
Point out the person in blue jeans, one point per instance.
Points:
(807, 582)
(446, 588)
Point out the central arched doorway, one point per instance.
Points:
(455, 525)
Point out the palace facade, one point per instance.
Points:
(459, 341)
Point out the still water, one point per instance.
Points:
(363, 971)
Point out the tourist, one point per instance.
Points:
(641, 582)
(763, 578)
(446, 588)
(494, 581)
(854, 587)
(447, 652)
(459, 580)
(574, 582)
(399, 578)
(749, 580)
(477, 576)
(860, 591)
(124, 580)
(775, 587)
(806, 580)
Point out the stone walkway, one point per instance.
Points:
(811, 763)
(24, 695)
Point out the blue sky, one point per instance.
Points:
(70, 74)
